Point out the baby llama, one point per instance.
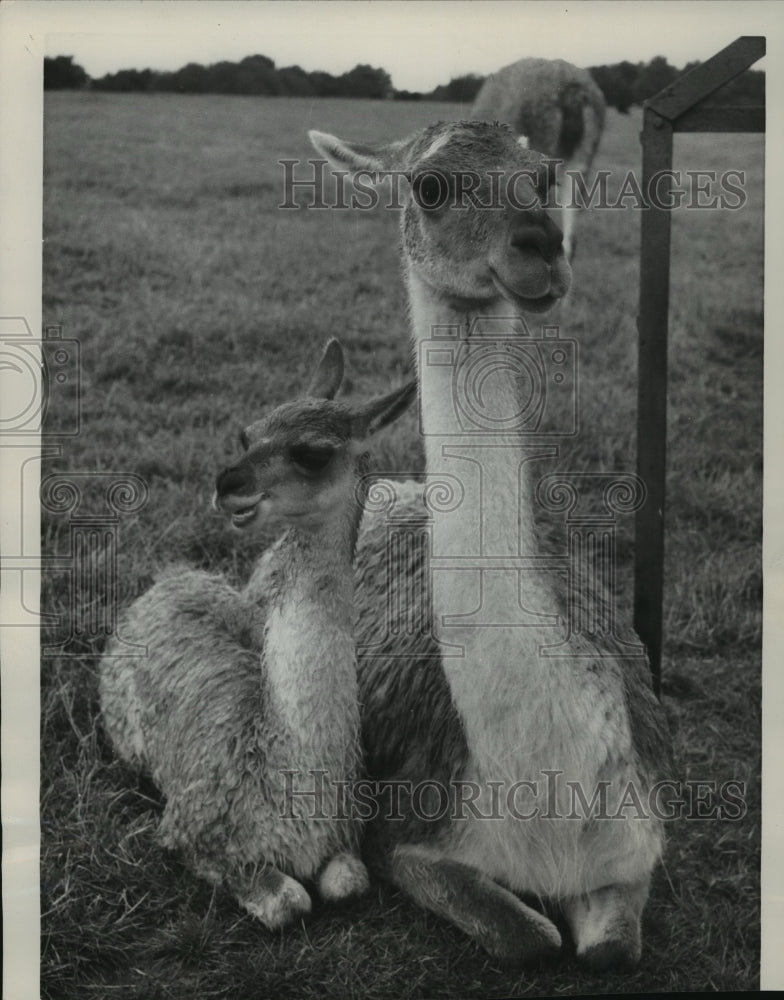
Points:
(239, 702)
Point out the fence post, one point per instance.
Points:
(679, 107)
(652, 327)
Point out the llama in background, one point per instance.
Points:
(466, 701)
(237, 702)
(559, 108)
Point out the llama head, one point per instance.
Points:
(302, 460)
(475, 228)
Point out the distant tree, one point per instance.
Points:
(407, 95)
(222, 78)
(459, 89)
(128, 80)
(258, 62)
(191, 79)
(617, 84)
(365, 81)
(294, 81)
(625, 83)
(324, 84)
(253, 75)
(257, 75)
(62, 73)
(652, 78)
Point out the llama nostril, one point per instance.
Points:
(231, 480)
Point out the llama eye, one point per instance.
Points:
(311, 457)
(244, 440)
(430, 190)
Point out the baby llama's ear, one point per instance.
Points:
(329, 374)
(377, 413)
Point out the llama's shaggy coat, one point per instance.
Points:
(557, 106)
(244, 706)
(198, 713)
(595, 717)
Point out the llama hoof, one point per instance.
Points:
(276, 908)
(536, 939)
(606, 926)
(343, 877)
(543, 939)
(521, 936)
(609, 955)
(506, 927)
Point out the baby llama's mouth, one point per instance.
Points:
(242, 510)
(244, 515)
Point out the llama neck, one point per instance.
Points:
(483, 601)
(469, 422)
(309, 649)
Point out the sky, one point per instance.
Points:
(420, 44)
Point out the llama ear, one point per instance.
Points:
(351, 156)
(355, 156)
(372, 416)
(329, 374)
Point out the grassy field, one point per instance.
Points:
(196, 302)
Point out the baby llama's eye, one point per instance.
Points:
(311, 457)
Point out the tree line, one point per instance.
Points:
(623, 84)
(256, 75)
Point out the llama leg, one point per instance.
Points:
(342, 877)
(493, 916)
(605, 925)
(272, 897)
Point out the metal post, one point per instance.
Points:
(652, 326)
(677, 108)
